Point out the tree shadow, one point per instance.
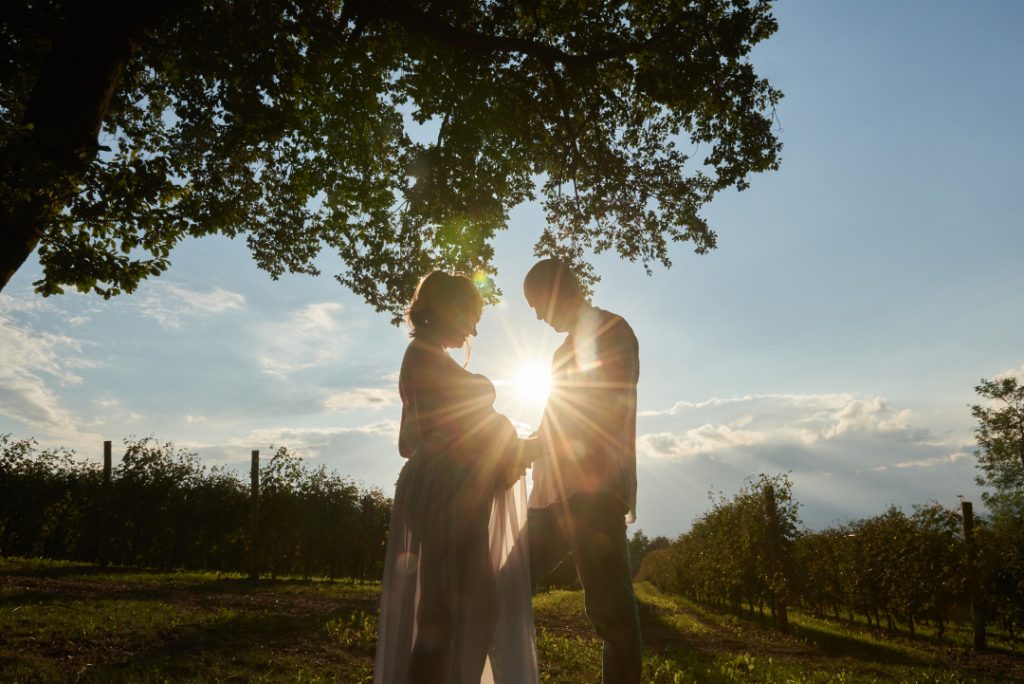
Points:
(759, 637)
(32, 568)
(50, 588)
(241, 645)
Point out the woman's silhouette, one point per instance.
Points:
(455, 602)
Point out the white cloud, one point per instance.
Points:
(21, 304)
(1016, 373)
(115, 409)
(872, 415)
(33, 361)
(305, 435)
(169, 304)
(847, 454)
(309, 337)
(834, 401)
(700, 440)
(371, 442)
(361, 398)
(926, 462)
(772, 420)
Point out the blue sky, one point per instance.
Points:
(857, 296)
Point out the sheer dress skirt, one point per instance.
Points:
(456, 579)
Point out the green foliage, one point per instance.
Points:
(312, 521)
(903, 568)
(75, 622)
(166, 509)
(1000, 436)
(80, 623)
(1001, 566)
(289, 124)
(640, 545)
(893, 569)
(897, 569)
(734, 554)
(47, 501)
(355, 631)
(568, 658)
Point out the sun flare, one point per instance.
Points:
(532, 382)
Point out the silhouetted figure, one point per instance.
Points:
(455, 601)
(584, 488)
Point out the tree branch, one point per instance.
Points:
(432, 26)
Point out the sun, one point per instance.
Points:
(532, 382)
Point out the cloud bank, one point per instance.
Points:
(848, 455)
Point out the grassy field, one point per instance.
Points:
(66, 622)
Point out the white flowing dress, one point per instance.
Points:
(456, 574)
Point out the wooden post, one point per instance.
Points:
(254, 515)
(104, 521)
(977, 609)
(778, 576)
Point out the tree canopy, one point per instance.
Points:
(1000, 437)
(292, 123)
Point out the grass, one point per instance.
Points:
(69, 622)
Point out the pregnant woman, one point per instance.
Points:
(455, 601)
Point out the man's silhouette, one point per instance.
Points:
(584, 488)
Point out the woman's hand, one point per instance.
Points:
(531, 449)
(521, 455)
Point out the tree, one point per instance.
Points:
(640, 545)
(126, 128)
(1000, 437)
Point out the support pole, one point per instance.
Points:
(778, 577)
(254, 515)
(104, 521)
(977, 608)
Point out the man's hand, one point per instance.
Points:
(524, 453)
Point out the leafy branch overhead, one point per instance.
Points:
(291, 124)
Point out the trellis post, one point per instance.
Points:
(977, 609)
(254, 515)
(104, 521)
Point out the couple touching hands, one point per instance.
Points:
(465, 547)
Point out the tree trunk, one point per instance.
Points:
(43, 166)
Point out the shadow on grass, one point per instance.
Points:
(37, 567)
(803, 643)
(42, 588)
(57, 569)
(661, 636)
(246, 647)
(957, 637)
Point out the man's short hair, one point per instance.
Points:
(551, 277)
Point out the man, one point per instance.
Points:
(584, 488)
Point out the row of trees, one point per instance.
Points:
(737, 554)
(163, 508)
(904, 568)
(748, 552)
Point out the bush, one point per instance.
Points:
(165, 509)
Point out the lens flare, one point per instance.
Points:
(532, 383)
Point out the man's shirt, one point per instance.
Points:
(589, 424)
